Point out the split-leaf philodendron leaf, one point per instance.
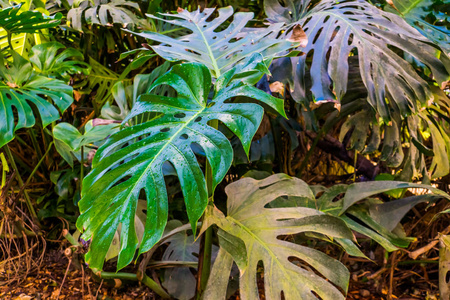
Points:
(251, 233)
(131, 161)
(218, 50)
(416, 12)
(19, 87)
(337, 30)
(102, 12)
(14, 21)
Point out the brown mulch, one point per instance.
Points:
(388, 276)
(48, 284)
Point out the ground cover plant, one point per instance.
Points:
(217, 150)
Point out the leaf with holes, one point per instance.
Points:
(219, 50)
(49, 60)
(125, 98)
(336, 30)
(183, 248)
(21, 42)
(22, 28)
(444, 267)
(12, 20)
(251, 233)
(416, 13)
(102, 11)
(131, 160)
(371, 217)
(20, 86)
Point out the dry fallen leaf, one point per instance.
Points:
(23, 297)
(98, 121)
(12, 84)
(277, 87)
(298, 36)
(315, 105)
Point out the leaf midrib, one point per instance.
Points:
(411, 7)
(208, 47)
(169, 142)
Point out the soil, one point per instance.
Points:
(392, 275)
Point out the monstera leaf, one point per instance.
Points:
(12, 20)
(336, 30)
(21, 42)
(131, 160)
(101, 11)
(183, 248)
(361, 210)
(20, 26)
(125, 96)
(416, 12)
(251, 233)
(218, 50)
(19, 87)
(49, 60)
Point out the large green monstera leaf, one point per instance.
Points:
(251, 233)
(131, 161)
(219, 50)
(337, 30)
(416, 12)
(19, 87)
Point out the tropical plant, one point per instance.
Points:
(167, 138)
(21, 85)
(427, 17)
(174, 150)
(353, 48)
(102, 12)
(132, 160)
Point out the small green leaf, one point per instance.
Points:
(69, 140)
(50, 61)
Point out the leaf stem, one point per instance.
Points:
(19, 179)
(133, 277)
(309, 153)
(38, 164)
(204, 264)
(82, 167)
(34, 142)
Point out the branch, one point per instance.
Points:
(333, 146)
